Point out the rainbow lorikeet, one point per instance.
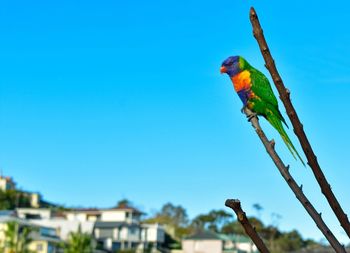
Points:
(254, 89)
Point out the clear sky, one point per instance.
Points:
(103, 100)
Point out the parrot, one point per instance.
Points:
(255, 91)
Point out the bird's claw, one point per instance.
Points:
(252, 115)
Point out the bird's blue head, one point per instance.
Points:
(231, 66)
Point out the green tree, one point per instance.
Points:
(220, 218)
(290, 241)
(171, 215)
(174, 218)
(124, 203)
(17, 238)
(11, 199)
(175, 215)
(214, 220)
(235, 227)
(178, 225)
(203, 221)
(79, 242)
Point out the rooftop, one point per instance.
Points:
(98, 210)
(203, 235)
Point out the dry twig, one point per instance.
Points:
(235, 204)
(284, 170)
(298, 127)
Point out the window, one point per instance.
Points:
(116, 246)
(50, 248)
(47, 232)
(105, 233)
(132, 230)
(32, 216)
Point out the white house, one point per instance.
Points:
(7, 183)
(119, 228)
(209, 242)
(44, 239)
(152, 233)
(113, 229)
(121, 235)
(65, 227)
(128, 215)
(239, 243)
(34, 213)
(202, 242)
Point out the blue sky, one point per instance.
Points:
(123, 99)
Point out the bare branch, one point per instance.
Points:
(298, 127)
(284, 170)
(235, 204)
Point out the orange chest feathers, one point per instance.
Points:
(241, 81)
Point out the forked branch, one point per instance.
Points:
(284, 170)
(298, 127)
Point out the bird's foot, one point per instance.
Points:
(252, 115)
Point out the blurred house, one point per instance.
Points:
(120, 228)
(43, 239)
(7, 183)
(202, 242)
(35, 199)
(210, 242)
(125, 214)
(113, 229)
(238, 243)
(55, 219)
(34, 213)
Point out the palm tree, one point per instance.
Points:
(17, 238)
(79, 242)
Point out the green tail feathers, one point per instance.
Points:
(277, 124)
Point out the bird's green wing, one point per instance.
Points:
(262, 88)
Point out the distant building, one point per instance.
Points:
(128, 215)
(34, 213)
(119, 228)
(120, 235)
(57, 220)
(210, 242)
(238, 243)
(113, 229)
(35, 199)
(65, 227)
(202, 242)
(7, 183)
(152, 233)
(44, 239)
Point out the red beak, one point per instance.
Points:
(223, 69)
